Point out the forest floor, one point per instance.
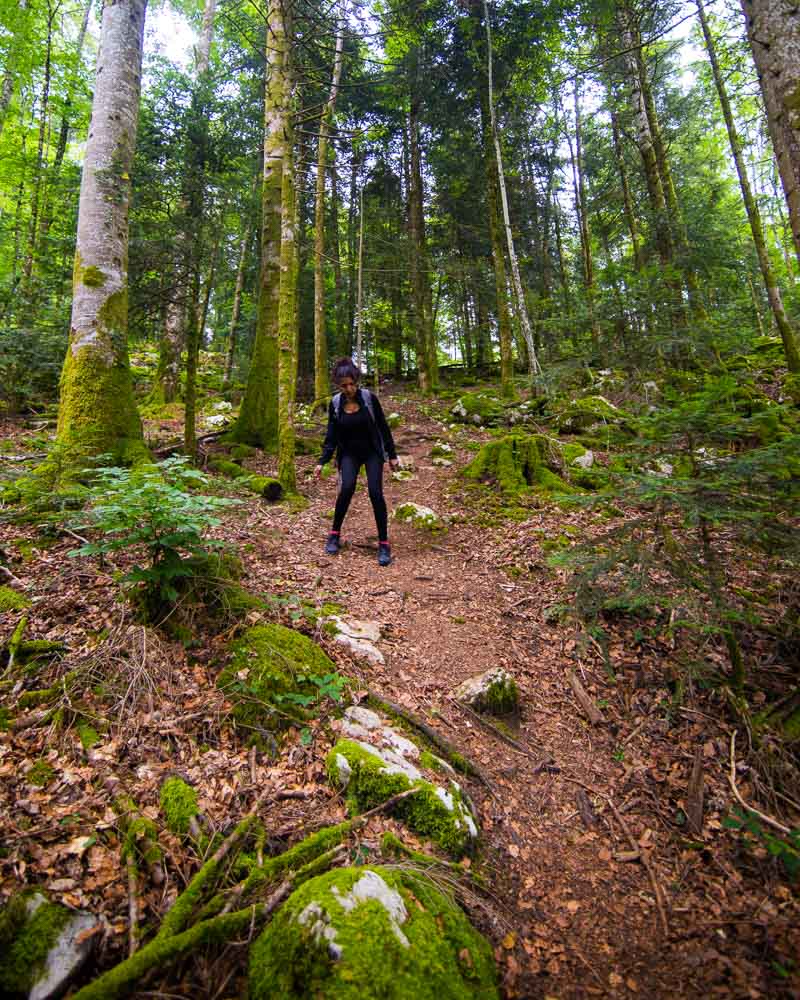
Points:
(595, 887)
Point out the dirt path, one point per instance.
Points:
(571, 917)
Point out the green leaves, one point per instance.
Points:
(151, 507)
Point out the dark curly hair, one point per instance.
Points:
(344, 368)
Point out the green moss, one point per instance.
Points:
(239, 452)
(430, 953)
(431, 761)
(307, 445)
(478, 408)
(12, 600)
(179, 805)
(517, 463)
(269, 665)
(93, 277)
(265, 486)
(25, 940)
(226, 468)
(88, 735)
(41, 774)
(371, 782)
(589, 413)
(502, 697)
(421, 517)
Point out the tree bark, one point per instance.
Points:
(236, 307)
(321, 379)
(753, 214)
(97, 411)
(428, 376)
(773, 30)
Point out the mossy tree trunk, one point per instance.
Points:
(257, 423)
(279, 32)
(97, 411)
(320, 337)
(751, 207)
(773, 30)
(237, 305)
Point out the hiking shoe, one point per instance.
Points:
(384, 554)
(332, 545)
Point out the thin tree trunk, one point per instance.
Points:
(97, 411)
(522, 310)
(359, 354)
(9, 76)
(336, 253)
(320, 343)
(498, 256)
(627, 201)
(583, 221)
(418, 254)
(773, 30)
(236, 307)
(753, 215)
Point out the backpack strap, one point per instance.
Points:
(337, 404)
(366, 395)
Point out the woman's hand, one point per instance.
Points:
(317, 471)
(394, 464)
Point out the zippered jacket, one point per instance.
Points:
(379, 432)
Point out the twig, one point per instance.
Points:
(634, 732)
(590, 709)
(133, 904)
(756, 812)
(72, 534)
(662, 913)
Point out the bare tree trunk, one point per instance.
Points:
(583, 221)
(9, 75)
(773, 30)
(627, 201)
(753, 215)
(359, 353)
(97, 411)
(320, 342)
(498, 256)
(419, 256)
(522, 309)
(236, 307)
(336, 253)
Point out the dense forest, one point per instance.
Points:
(552, 749)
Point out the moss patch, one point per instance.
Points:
(517, 463)
(478, 408)
(25, 939)
(267, 677)
(361, 933)
(12, 600)
(420, 517)
(179, 805)
(441, 815)
(41, 773)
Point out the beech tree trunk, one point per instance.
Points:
(97, 411)
(751, 207)
(773, 30)
(321, 379)
(236, 307)
(428, 375)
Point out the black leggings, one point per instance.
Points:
(348, 473)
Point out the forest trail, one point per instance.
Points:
(571, 911)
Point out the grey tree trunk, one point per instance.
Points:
(320, 338)
(97, 411)
(773, 30)
(237, 304)
(751, 207)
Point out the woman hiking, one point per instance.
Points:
(359, 435)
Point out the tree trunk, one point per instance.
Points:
(237, 304)
(9, 75)
(753, 215)
(338, 283)
(627, 201)
(773, 30)
(522, 310)
(418, 255)
(97, 411)
(583, 222)
(321, 379)
(498, 257)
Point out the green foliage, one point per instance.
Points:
(721, 463)
(30, 366)
(151, 508)
(785, 849)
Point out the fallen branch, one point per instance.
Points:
(590, 709)
(662, 913)
(8, 575)
(492, 728)
(756, 812)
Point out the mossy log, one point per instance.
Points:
(520, 462)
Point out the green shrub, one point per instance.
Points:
(149, 509)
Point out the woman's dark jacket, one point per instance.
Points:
(379, 434)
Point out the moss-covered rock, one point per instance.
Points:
(304, 445)
(265, 486)
(494, 691)
(419, 516)
(12, 600)
(368, 933)
(42, 945)
(239, 452)
(394, 420)
(179, 805)
(478, 408)
(369, 776)
(589, 413)
(519, 462)
(227, 468)
(267, 678)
